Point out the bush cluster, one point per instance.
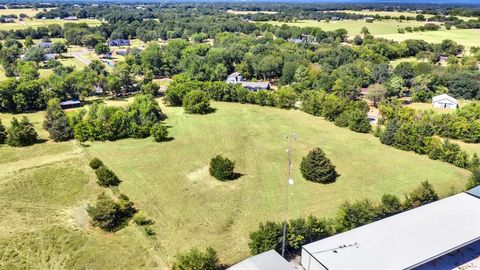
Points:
(196, 102)
(350, 215)
(195, 259)
(106, 177)
(285, 97)
(342, 111)
(159, 132)
(111, 123)
(20, 133)
(222, 168)
(109, 214)
(95, 163)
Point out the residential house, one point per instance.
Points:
(444, 101)
(118, 42)
(236, 78)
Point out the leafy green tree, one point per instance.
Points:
(388, 136)
(95, 163)
(422, 195)
(35, 54)
(102, 48)
(56, 122)
(358, 121)
(316, 167)
(196, 102)
(106, 177)
(21, 133)
(474, 178)
(194, 259)
(3, 133)
(354, 215)
(267, 237)
(376, 93)
(58, 47)
(159, 132)
(222, 168)
(110, 215)
(390, 205)
(28, 41)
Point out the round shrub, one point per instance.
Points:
(195, 259)
(222, 168)
(106, 177)
(159, 132)
(95, 163)
(316, 167)
(196, 102)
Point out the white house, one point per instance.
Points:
(444, 101)
(236, 78)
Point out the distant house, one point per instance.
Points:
(49, 56)
(8, 20)
(369, 19)
(444, 101)
(45, 45)
(71, 18)
(121, 52)
(73, 103)
(236, 78)
(118, 42)
(97, 89)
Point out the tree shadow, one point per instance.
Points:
(41, 140)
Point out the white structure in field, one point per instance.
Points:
(444, 101)
(424, 238)
(269, 260)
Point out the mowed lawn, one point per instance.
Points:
(354, 27)
(465, 37)
(34, 23)
(170, 181)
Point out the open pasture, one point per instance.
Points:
(171, 183)
(354, 27)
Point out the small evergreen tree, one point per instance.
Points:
(159, 132)
(195, 259)
(110, 215)
(96, 163)
(3, 133)
(316, 167)
(222, 168)
(358, 122)
(196, 102)
(267, 237)
(21, 133)
(56, 122)
(106, 177)
(388, 136)
(420, 196)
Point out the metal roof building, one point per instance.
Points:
(269, 260)
(404, 241)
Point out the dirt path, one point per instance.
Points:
(79, 56)
(9, 167)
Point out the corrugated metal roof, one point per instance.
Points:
(269, 260)
(404, 241)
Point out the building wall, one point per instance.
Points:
(309, 262)
(444, 104)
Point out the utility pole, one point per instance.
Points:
(292, 138)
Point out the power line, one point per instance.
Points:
(289, 150)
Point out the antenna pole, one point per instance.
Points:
(289, 182)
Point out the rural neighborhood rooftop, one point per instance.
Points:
(403, 241)
(269, 260)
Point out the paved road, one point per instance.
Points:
(79, 56)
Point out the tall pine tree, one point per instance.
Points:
(316, 167)
(56, 122)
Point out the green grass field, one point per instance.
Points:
(355, 26)
(395, 14)
(171, 183)
(34, 23)
(17, 11)
(388, 29)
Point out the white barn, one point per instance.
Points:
(444, 101)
